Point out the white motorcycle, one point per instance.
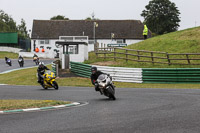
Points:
(106, 86)
(21, 62)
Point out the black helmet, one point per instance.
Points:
(94, 70)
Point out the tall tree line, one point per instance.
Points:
(7, 24)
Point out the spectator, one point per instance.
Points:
(145, 32)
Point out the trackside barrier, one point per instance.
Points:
(119, 74)
(139, 75)
(171, 75)
(80, 69)
(122, 74)
(54, 68)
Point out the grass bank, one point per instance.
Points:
(12, 104)
(9, 55)
(185, 41)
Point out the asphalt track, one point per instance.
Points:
(15, 65)
(136, 110)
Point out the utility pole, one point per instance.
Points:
(94, 24)
(94, 28)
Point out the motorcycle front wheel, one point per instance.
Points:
(111, 93)
(55, 85)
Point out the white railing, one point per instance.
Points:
(122, 74)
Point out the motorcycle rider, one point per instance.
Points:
(41, 69)
(36, 59)
(20, 57)
(7, 60)
(34, 56)
(94, 76)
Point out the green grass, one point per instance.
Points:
(9, 55)
(20, 77)
(13, 104)
(185, 41)
(28, 77)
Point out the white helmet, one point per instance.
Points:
(41, 64)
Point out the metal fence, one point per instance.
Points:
(24, 44)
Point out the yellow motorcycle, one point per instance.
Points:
(49, 80)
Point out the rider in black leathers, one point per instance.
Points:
(41, 69)
(20, 57)
(7, 60)
(94, 76)
(35, 55)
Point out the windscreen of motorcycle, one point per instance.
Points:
(101, 77)
(48, 72)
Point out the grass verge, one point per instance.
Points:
(12, 104)
(28, 77)
(8, 54)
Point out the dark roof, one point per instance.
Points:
(52, 29)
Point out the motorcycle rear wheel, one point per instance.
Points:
(43, 86)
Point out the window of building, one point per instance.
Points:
(73, 49)
(91, 42)
(119, 41)
(43, 41)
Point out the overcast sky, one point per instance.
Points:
(103, 9)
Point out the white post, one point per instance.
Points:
(63, 61)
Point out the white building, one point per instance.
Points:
(45, 34)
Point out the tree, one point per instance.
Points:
(88, 18)
(59, 17)
(22, 31)
(161, 16)
(7, 24)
